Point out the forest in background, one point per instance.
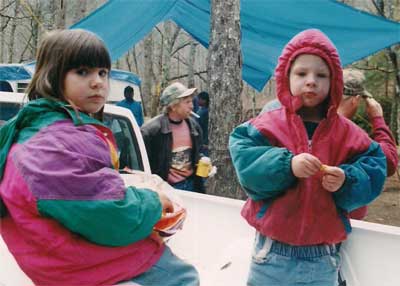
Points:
(168, 53)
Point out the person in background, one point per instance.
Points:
(304, 167)
(353, 94)
(134, 106)
(195, 102)
(204, 102)
(173, 139)
(70, 218)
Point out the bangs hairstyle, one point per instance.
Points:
(61, 51)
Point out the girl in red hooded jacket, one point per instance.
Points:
(304, 167)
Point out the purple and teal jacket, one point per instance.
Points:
(300, 211)
(70, 220)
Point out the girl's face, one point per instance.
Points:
(87, 88)
(310, 79)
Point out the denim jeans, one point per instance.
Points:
(186, 185)
(168, 271)
(276, 264)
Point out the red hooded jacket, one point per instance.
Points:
(301, 211)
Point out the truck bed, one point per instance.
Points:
(218, 241)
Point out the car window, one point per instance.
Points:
(7, 111)
(129, 153)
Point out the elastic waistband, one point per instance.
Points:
(309, 251)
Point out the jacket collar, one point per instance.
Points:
(165, 125)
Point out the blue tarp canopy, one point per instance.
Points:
(24, 71)
(267, 25)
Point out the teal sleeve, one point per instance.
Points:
(365, 177)
(108, 222)
(263, 170)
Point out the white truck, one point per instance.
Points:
(216, 239)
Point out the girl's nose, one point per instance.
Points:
(310, 80)
(96, 81)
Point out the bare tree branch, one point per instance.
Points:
(375, 68)
(6, 7)
(180, 48)
(379, 7)
(199, 74)
(4, 26)
(14, 18)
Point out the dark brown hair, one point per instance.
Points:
(59, 52)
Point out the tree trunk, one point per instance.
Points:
(2, 30)
(148, 75)
(80, 11)
(224, 86)
(170, 36)
(192, 58)
(59, 15)
(12, 33)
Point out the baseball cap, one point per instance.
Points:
(175, 91)
(354, 83)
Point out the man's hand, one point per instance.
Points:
(333, 178)
(305, 165)
(373, 108)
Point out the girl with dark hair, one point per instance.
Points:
(71, 220)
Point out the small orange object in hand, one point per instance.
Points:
(324, 167)
(171, 222)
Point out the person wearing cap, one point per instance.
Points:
(353, 93)
(173, 139)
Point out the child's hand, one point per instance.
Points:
(305, 165)
(333, 178)
(166, 203)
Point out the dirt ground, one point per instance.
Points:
(386, 208)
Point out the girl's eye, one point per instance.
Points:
(103, 73)
(82, 71)
(301, 73)
(322, 75)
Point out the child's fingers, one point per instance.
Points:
(334, 180)
(305, 165)
(329, 185)
(314, 162)
(334, 171)
(330, 179)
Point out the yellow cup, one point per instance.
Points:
(203, 167)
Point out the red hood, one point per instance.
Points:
(308, 42)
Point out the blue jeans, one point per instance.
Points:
(168, 271)
(186, 185)
(276, 264)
